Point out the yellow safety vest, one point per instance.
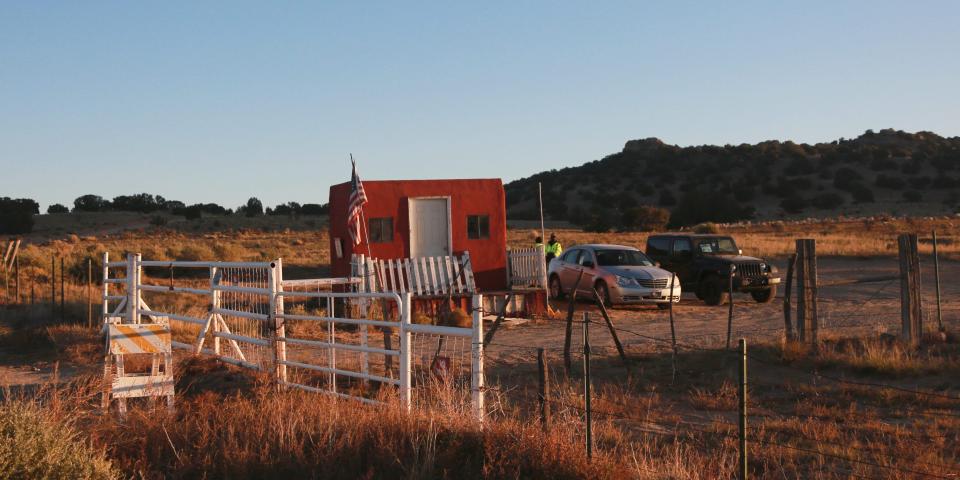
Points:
(554, 248)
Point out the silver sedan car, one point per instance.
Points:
(620, 274)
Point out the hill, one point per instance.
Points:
(889, 172)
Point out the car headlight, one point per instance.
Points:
(764, 267)
(627, 282)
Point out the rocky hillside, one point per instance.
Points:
(890, 171)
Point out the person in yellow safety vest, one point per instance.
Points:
(553, 248)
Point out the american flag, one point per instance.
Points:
(358, 198)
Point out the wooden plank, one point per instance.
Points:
(468, 273)
(141, 386)
(457, 273)
(448, 268)
(441, 281)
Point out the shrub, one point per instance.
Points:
(314, 209)
(706, 228)
(667, 199)
(253, 208)
(799, 166)
(34, 444)
(158, 220)
(945, 182)
(893, 183)
(57, 208)
(644, 219)
(708, 206)
(920, 182)
(845, 178)
(825, 201)
(861, 193)
(794, 203)
(880, 164)
(912, 196)
(90, 203)
(16, 215)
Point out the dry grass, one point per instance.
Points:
(835, 237)
(230, 424)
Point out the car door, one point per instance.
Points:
(587, 262)
(681, 259)
(568, 268)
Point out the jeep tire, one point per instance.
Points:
(713, 290)
(764, 296)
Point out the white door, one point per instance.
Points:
(429, 227)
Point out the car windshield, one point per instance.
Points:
(718, 246)
(622, 258)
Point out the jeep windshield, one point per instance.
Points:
(622, 258)
(718, 246)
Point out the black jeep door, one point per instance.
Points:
(681, 260)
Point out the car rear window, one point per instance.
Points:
(657, 246)
(624, 258)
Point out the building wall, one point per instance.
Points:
(389, 199)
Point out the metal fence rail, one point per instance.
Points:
(323, 344)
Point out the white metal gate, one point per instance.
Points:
(235, 311)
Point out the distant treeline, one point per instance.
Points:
(16, 215)
(634, 188)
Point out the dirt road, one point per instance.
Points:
(844, 310)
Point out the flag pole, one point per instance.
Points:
(363, 220)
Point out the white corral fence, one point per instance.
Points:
(443, 275)
(306, 337)
(526, 267)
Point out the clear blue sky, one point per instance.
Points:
(218, 101)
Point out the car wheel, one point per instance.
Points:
(556, 289)
(714, 291)
(764, 296)
(603, 292)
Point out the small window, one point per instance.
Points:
(658, 246)
(478, 227)
(570, 256)
(682, 248)
(381, 230)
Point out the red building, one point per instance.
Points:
(423, 218)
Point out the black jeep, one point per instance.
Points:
(704, 264)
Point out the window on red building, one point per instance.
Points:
(478, 227)
(380, 230)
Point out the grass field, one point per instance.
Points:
(896, 414)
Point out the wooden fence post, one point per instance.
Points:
(733, 269)
(544, 380)
(16, 266)
(586, 384)
(807, 291)
(62, 285)
(911, 310)
(53, 287)
(89, 292)
(742, 391)
(567, 362)
(787, 324)
(936, 280)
